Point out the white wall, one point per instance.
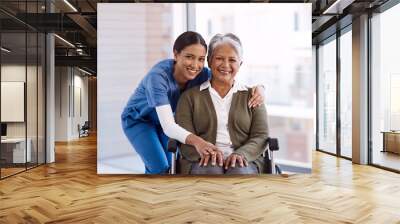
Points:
(68, 82)
(80, 102)
(61, 103)
(33, 126)
(12, 73)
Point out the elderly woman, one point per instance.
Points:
(218, 112)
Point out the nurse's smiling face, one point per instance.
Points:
(189, 63)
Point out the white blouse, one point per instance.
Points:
(222, 107)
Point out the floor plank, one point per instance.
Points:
(70, 191)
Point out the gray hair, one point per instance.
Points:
(228, 38)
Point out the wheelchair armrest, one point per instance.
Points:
(269, 164)
(172, 145)
(273, 144)
(173, 148)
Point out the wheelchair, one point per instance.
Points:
(270, 167)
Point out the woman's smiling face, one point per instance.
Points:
(225, 63)
(190, 61)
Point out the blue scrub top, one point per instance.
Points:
(158, 88)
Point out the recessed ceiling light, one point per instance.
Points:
(70, 5)
(64, 40)
(84, 71)
(5, 50)
(337, 7)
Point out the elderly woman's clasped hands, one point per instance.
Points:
(216, 158)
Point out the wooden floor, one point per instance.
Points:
(70, 191)
(10, 171)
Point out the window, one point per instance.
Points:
(23, 74)
(385, 85)
(327, 96)
(346, 94)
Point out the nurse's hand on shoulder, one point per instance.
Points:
(257, 96)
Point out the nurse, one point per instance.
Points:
(148, 117)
